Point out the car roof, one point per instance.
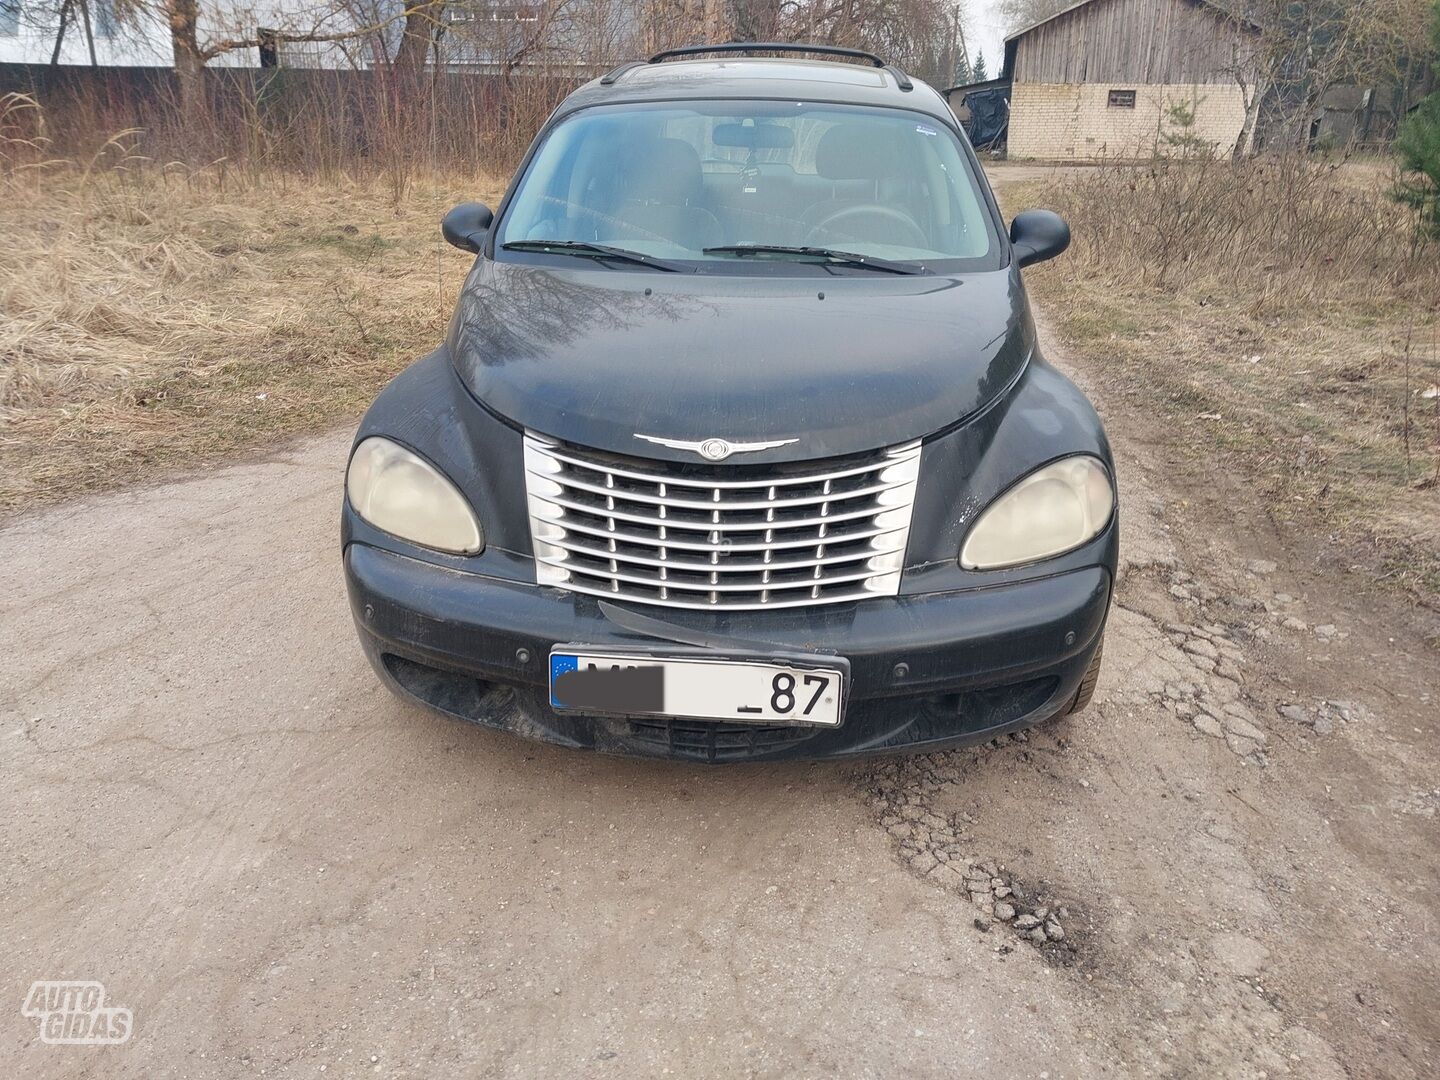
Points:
(759, 77)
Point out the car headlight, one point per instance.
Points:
(1051, 511)
(398, 491)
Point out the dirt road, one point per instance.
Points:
(212, 808)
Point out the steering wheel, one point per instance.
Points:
(890, 226)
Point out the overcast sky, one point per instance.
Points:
(984, 32)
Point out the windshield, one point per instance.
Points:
(694, 182)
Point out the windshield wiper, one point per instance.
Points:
(830, 255)
(586, 250)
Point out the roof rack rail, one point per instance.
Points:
(615, 73)
(901, 79)
(771, 46)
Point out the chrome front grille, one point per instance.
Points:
(731, 536)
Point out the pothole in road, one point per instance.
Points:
(906, 797)
(1178, 643)
(1202, 663)
(1195, 663)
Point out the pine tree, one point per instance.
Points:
(1418, 145)
(1419, 148)
(963, 76)
(979, 73)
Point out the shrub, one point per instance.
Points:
(1280, 230)
(1419, 149)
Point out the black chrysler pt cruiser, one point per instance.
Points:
(740, 444)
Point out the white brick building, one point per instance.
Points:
(1127, 79)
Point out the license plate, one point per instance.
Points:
(699, 688)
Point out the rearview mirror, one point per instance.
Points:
(754, 136)
(1037, 235)
(465, 226)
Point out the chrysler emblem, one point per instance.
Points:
(716, 449)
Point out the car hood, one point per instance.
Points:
(837, 363)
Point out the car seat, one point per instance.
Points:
(866, 164)
(661, 197)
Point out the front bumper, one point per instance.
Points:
(927, 672)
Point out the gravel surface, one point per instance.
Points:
(1226, 867)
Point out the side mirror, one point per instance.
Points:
(466, 224)
(1037, 235)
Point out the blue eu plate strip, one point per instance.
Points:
(560, 663)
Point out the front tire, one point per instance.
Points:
(1087, 684)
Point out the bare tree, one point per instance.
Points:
(755, 20)
(321, 22)
(60, 18)
(1290, 53)
(421, 24)
(1018, 14)
(920, 35)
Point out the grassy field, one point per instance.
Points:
(154, 321)
(1278, 325)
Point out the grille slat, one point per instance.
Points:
(715, 524)
(709, 505)
(713, 578)
(766, 564)
(769, 543)
(566, 456)
(707, 536)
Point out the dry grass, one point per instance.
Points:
(1279, 319)
(153, 319)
